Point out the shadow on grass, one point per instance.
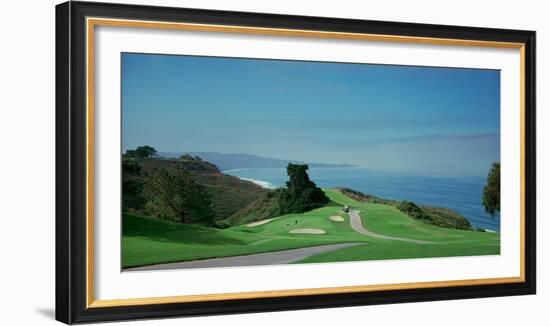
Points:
(162, 231)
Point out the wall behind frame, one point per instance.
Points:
(27, 163)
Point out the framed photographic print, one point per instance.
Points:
(216, 162)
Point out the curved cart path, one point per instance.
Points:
(357, 225)
(268, 258)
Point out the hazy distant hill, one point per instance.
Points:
(230, 161)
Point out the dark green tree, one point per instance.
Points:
(130, 153)
(145, 152)
(141, 152)
(177, 195)
(301, 194)
(132, 186)
(491, 192)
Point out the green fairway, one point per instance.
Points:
(148, 241)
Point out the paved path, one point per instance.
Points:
(355, 221)
(268, 258)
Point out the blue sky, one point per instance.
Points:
(392, 118)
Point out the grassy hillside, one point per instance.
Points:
(439, 216)
(149, 241)
(298, 196)
(262, 208)
(229, 194)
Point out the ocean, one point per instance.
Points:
(462, 194)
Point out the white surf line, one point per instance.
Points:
(357, 225)
(261, 183)
(268, 258)
(235, 170)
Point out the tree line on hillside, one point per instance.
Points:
(490, 197)
(175, 194)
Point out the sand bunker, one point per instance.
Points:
(261, 222)
(308, 231)
(337, 218)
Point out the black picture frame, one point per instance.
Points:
(71, 158)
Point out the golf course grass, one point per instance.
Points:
(148, 241)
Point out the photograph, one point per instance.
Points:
(224, 160)
(233, 161)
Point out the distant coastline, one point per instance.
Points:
(459, 193)
(261, 183)
(232, 161)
